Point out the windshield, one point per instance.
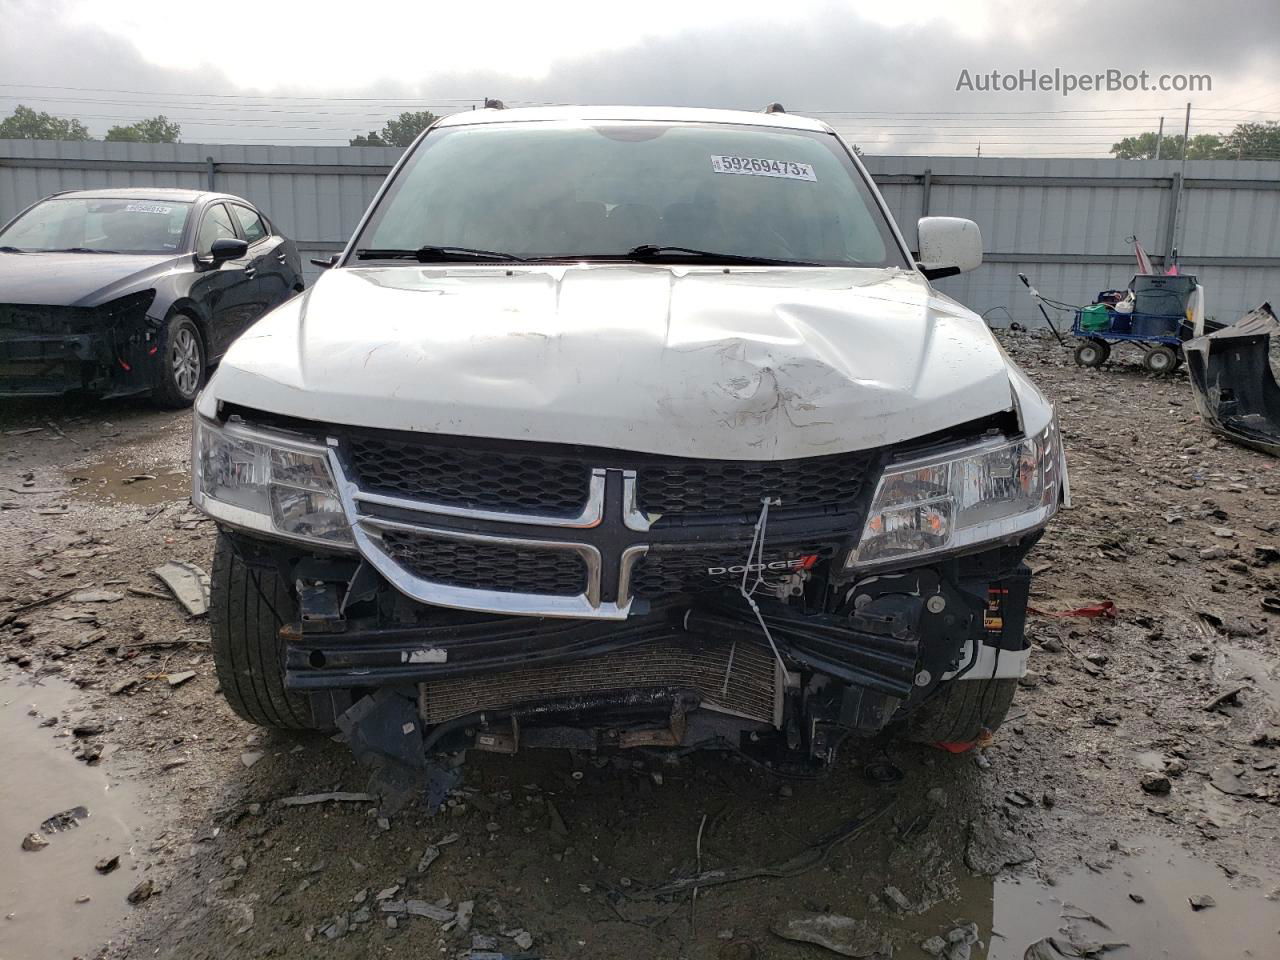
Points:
(577, 190)
(99, 224)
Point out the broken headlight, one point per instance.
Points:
(266, 482)
(992, 492)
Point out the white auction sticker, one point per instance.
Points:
(148, 208)
(760, 167)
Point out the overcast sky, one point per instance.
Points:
(883, 73)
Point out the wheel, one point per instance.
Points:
(182, 366)
(960, 710)
(247, 606)
(1093, 353)
(1160, 359)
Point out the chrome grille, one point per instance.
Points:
(487, 566)
(739, 678)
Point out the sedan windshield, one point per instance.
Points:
(670, 192)
(99, 225)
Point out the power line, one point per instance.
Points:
(246, 96)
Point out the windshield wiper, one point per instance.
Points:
(653, 251)
(81, 250)
(7, 249)
(434, 254)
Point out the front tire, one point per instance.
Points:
(1092, 353)
(248, 605)
(183, 363)
(1160, 359)
(961, 710)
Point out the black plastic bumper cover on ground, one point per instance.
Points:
(1234, 386)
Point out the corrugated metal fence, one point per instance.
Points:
(1064, 222)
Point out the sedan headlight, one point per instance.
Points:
(995, 491)
(266, 482)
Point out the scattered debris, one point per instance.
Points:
(1223, 699)
(897, 898)
(33, 842)
(64, 820)
(190, 585)
(1227, 780)
(335, 795)
(1202, 902)
(1155, 783)
(842, 935)
(95, 596)
(178, 679)
(107, 864)
(142, 892)
(417, 908)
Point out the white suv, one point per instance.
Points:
(627, 426)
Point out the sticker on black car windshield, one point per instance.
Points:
(148, 208)
(760, 167)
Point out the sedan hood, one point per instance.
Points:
(74, 279)
(743, 363)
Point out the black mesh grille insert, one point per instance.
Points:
(662, 573)
(677, 487)
(462, 477)
(488, 566)
(555, 483)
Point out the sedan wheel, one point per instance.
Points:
(184, 354)
(182, 372)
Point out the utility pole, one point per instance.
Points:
(1186, 138)
(1159, 138)
(1182, 178)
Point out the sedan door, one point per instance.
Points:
(270, 256)
(228, 292)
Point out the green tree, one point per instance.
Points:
(1254, 141)
(26, 124)
(1203, 146)
(158, 129)
(398, 132)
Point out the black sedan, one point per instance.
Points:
(128, 291)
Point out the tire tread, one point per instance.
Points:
(248, 605)
(961, 710)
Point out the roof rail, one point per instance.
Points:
(491, 104)
(775, 108)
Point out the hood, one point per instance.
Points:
(749, 363)
(75, 279)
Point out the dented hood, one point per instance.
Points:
(752, 364)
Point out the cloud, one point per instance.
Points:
(900, 75)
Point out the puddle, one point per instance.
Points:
(1012, 915)
(129, 481)
(39, 916)
(1237, 666)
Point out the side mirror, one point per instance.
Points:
(228, 248)
(948, 245)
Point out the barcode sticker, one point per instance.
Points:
(760, 167)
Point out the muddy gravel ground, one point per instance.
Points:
(1139, 770)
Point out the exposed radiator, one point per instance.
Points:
(740, 678)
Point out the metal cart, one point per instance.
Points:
(1159, 337)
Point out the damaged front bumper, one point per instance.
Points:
(1233, 382)
(51, 350)
(694, 671)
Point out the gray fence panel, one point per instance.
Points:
(1062, 221)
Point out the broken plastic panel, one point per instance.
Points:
(1233, 383)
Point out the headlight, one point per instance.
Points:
(265, 482)
(988, 493)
